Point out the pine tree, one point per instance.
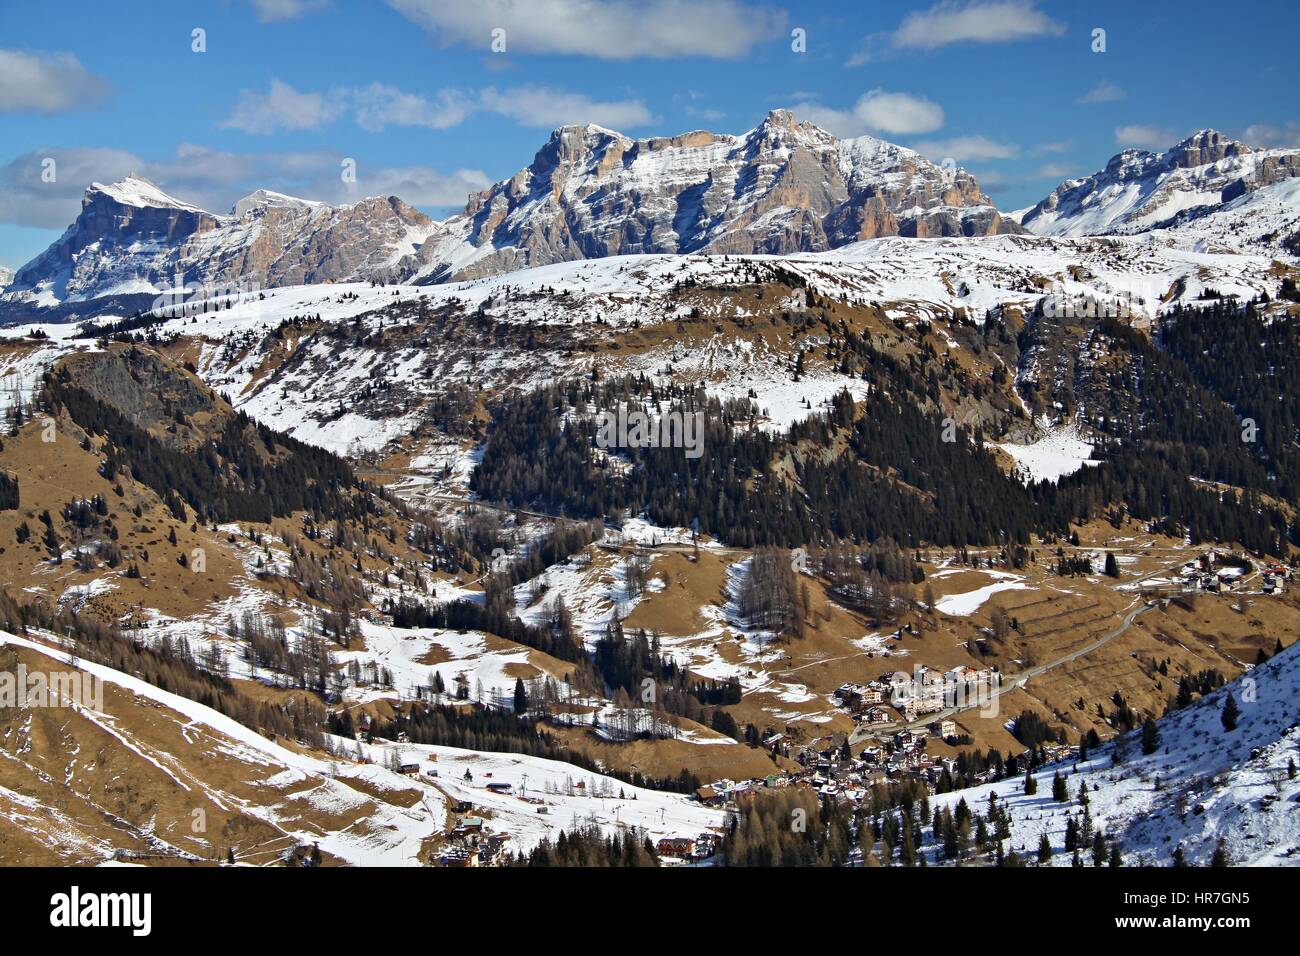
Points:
(1044, 849)
(1031, 785)
(1180, 858)
(1220, 858)
(1112, 568)
(1230, 713)
(1098, 849)
(1150, 737)
(1059, 791)
(521, 697)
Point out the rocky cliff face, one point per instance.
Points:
(277, 240)
(133, 238)
(121, 228)
(784, 187)
(1142, 190)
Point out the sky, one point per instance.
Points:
(432, 99)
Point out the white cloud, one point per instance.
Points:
(705, 113)
(1104, 92)
(272, 10)
(606, 29)
(996, 21)
(992, 181)
(213, 179)
(26, 199)
(46, 83)
(966, 148)
(1145, 136)
(417, 185)
(380, 105)
(948, 22)
(282, 107)
(1270, 135)
(878, 111)
(539, 106)
(1056, 146)
(1055, 171)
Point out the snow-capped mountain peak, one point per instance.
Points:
(137, 191)
(1140, 189)
(784, 186)
(266, 198)
(132, 238)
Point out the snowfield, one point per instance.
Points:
(571, 797)
(968, 602)
(1058, 453)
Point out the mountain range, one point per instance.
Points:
(784, 187)
(1141, 190)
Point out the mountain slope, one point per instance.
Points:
(785, 186)
(1201, 784)
(1140, 190)
(131, 237)
(589, 193)
(150, 773)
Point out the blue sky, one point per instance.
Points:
(413, 91)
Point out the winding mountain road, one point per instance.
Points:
(1011, 682)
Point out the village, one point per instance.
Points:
(825, 765)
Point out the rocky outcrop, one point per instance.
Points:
(132, 238)
(1141, 190)
(786, 186)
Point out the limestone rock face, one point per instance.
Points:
(785, 186)
(1141, 190)
(131, 237)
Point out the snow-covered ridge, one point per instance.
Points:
(1141, 190)
(911, 279)
(137, 191)
(133, 238)
(1202, 782)
(783, 187)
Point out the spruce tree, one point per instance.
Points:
(1230, 713)
(1044, 849)
(1220, 858)
(1150, 737)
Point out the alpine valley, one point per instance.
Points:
(989, 520)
